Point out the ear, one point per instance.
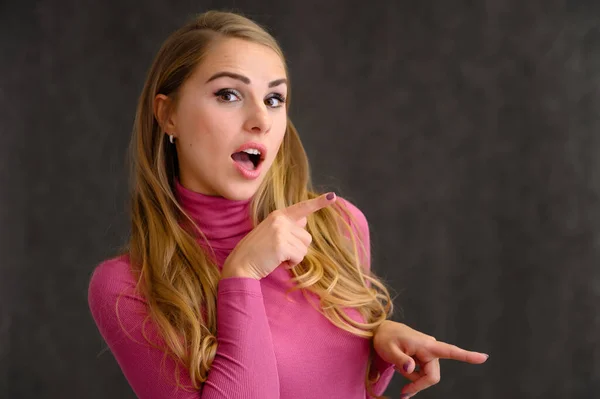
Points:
(163, 113)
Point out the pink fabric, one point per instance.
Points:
(269, 347)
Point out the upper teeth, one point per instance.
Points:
(252, 151)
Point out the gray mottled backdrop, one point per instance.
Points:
(467, 132)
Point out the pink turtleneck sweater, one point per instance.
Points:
(268, 346)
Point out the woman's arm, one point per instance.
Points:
(360, 228)
(244, 365)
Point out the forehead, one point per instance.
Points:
(259, 63)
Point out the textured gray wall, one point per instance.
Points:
(466, 132)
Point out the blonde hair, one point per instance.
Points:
(177, 278)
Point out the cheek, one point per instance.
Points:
(195, 118)
(208, 129)
(279, 128)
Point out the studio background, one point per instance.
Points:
(466, 131)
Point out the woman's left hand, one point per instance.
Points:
(406, 348)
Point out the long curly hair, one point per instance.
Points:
(175, 274)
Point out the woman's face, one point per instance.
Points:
(235, 97)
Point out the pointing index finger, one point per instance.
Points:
(305, 208)
(443, 350)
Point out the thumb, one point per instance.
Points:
(404, 364)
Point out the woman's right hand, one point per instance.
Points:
(280, 238)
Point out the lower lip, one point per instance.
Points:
(249, 174)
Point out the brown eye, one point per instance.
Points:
(227, 95)
(275, 101)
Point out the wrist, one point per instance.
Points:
(380, 325)
(229, 273)
(234, 275)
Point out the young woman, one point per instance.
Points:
(240, 281)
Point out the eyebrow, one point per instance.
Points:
(243, 78)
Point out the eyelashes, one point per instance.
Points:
(279, 98)
(231, 95)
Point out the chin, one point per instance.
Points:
(237, 193)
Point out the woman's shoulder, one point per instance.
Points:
(352, 207)
(110, 281)
(112, 273)
(354, 216)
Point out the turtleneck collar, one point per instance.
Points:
(224, 222)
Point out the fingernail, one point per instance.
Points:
(487, 356)
(405, 395)
(330, 196)
(406, 366)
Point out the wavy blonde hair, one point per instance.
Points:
(176, 276)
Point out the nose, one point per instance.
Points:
(258, 119)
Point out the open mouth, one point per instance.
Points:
(250, 160)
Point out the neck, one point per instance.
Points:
(224, 222)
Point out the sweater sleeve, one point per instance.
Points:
(360, 228)
(244, 364)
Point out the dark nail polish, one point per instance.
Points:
(406, 366)
(330, 196)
